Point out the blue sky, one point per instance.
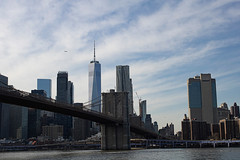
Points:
(163, 42)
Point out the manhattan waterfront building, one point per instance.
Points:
(223, 112)
(234, 110)
(202, 98)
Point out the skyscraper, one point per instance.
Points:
(124, 84)
(94, 84)
(64, 93)
(235, 110)
(155, 126)
(202, 98)
(46, 85)
(94, 89)
(62, 87)
(70, 92)
(143, 110)
(148, 123)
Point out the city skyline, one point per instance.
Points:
(164, 43)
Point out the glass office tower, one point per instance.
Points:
(94, 90)
(46, 85)
(94, 84)
(202, 98)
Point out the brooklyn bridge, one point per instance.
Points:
(114, 118)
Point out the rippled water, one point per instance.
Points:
(149, 154)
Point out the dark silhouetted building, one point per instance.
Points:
(167, 131)
(229, 128)
(70, 92)
(148, 123)
(234, 110)
(34, 117)
(52, 132)
(81, 127)
(200, 130)
(215, 131)
(13, 119)
(63, 96)
(155, 126)
(223, 112)
(195, 130)
(186, 130)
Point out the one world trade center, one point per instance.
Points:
(94, 84)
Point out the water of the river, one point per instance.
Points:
(149, 154)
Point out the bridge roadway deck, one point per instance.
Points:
(21, 98)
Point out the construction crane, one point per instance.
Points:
(139, 99)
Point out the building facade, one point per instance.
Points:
(46, 85)
(34, 117)
(202, 98)
(186, 130)
(53, 132)
(229, 128)
(70, 92)
(63, 95)
(81, 127)
(234, 110)
(167, 131)
(124, 84)
(148, 123)
(195, 130)
(143, 110)
(223, 112)
(155, 126)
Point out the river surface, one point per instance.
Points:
(146, 154)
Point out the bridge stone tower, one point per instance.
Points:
(116, 136)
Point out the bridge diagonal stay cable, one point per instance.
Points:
(92, 100)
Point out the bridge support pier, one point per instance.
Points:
(115, 136)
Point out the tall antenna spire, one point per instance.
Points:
(94, 58)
